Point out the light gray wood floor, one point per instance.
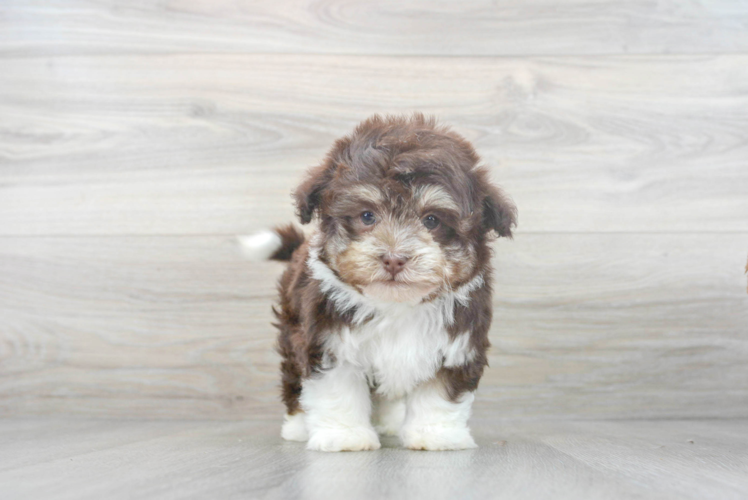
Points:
(117, 459)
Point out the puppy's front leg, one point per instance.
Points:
(433, 422)
(337, 404)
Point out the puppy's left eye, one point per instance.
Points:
(368, 218)
(430, 221)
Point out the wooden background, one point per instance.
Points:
(138, 138)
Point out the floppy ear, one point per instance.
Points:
(499, 213)
(308, 195)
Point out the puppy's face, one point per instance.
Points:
(404, 211)
(396, 242)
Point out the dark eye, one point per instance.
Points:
(430, 221)
(368, 218)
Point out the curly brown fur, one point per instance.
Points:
(406, 215)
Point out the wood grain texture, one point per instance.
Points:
(586, 325)
(211, 144)
(61, 459)
(391, 27)
(138, 138)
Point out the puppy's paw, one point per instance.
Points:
(343, 439)
(389, 417)
(389, 429)
(437, 437)
(294, 428)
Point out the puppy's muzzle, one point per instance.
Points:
(393, 264)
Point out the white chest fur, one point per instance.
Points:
(401, 347)
(397, 346)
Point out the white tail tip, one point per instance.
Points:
(261, 246)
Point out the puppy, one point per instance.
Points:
(385, 308)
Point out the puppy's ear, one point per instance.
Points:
(499, 213)
(308, 195)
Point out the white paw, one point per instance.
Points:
(437, 437)
(387, 429)
(343, 439)
(294, 427)
(389, 417)
(390, 423)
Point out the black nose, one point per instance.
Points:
(394, 263)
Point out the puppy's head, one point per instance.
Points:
(405, 209)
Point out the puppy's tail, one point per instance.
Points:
(278, 243)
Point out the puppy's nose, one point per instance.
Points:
(393, 263)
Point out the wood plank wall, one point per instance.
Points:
(138, 138)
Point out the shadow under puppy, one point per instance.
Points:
(385, 309)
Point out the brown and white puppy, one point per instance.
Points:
(385, 309)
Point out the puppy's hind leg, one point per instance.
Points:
(337, 404)
(294, 425)
(388, 414)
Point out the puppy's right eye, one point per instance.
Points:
(431, 222)
(368, 218)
